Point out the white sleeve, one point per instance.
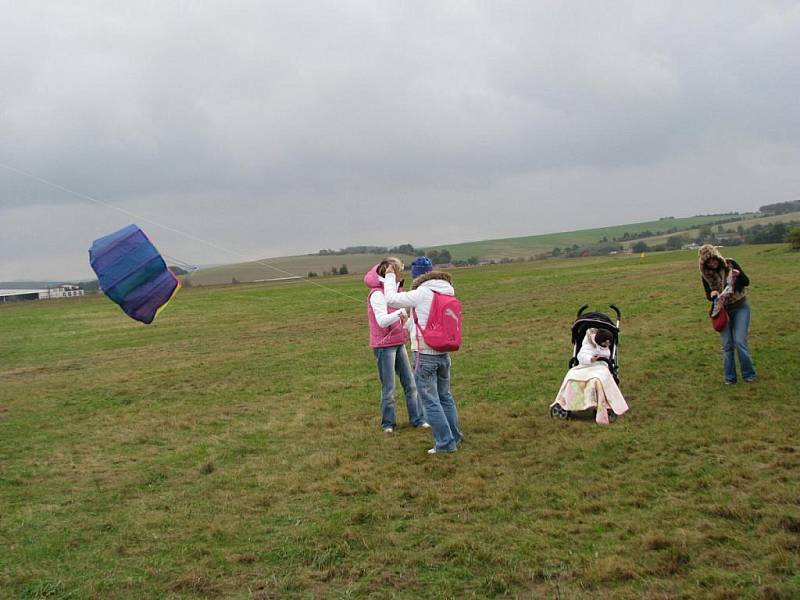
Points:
(585, 355)
(382, 315)
(400, 299)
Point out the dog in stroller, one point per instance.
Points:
(593, 377)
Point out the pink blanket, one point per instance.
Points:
(591, 386)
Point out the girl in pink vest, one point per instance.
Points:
(387, 336)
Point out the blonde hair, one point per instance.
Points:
(392, 260)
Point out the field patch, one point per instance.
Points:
(232, 449)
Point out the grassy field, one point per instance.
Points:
(232, 449)
(528, 246)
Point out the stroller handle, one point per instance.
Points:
(581, 309)
(616, 310)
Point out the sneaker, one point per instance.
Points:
(426, 425)
(751, 380)
(730, 383)
(435, 451)
(388, 430)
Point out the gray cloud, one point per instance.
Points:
(280, 128)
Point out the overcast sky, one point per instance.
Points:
(275, 128)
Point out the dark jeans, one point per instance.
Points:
(433, 384)
(390, 360)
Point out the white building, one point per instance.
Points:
(61, 291)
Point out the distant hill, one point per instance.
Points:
(284, 266)
(656, 232)
(531, 245)
(748, 220)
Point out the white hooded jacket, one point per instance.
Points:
(420, 299)
(590, 349)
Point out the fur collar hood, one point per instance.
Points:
(431, 276)
(706, 253)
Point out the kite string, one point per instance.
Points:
(168, 228)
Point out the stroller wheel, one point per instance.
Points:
(612, 416)
(559, 412)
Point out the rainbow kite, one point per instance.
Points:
(132, 273)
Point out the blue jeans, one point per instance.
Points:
(734, 336)
(390, 360)
(433, 383)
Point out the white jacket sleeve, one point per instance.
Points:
(586, 353)
(382, 315)
(400, 299)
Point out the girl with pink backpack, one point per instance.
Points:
(436, 331)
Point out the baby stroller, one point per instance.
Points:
(583, 322)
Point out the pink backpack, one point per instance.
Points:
(443, 330)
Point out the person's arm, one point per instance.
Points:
(742, 280)
(586, 354)
(399, 299)
(382, 315)
(710, 294)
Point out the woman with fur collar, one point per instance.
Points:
(717, 273)
(432, 371)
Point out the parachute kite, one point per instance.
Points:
(132, 273)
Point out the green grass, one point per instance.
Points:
(232, 449)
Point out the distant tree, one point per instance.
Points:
(641, 247)
(556, 251)
(473, 260)
(404, 249)
(343, 270)
(780, 208)
(674, 242)
(89, 287)
(793, 238)
(771, 233)
(234, 280)
(444, 257)
(334, 271)
(312, 274)
(433, 255)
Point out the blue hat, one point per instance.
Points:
(421, 264)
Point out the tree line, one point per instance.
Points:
(401, 249)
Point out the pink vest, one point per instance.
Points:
(383, 337)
